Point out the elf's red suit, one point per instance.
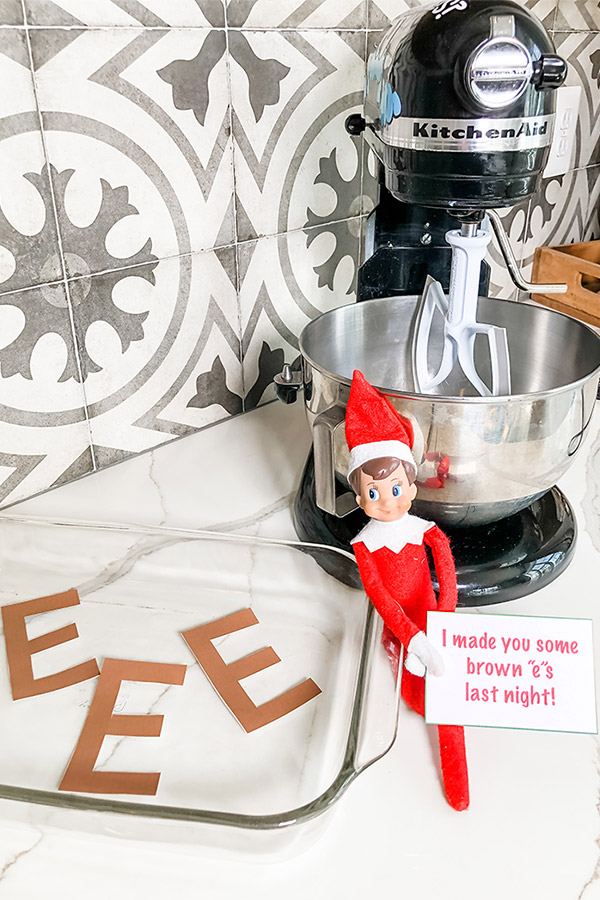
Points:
(398, 584)
(392, 561)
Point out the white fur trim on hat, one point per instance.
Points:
(364, 452)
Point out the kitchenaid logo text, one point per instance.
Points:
(466, 135)
(433, 130)
(448, 6)
(478, 74)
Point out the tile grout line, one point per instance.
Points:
(234, 209)
(250, 28)
(261, 29)
(175, 256)
(64, 281)
(363, 160)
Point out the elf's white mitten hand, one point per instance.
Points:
(414, 665)
(422, 655)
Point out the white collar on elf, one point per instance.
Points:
(393, 535)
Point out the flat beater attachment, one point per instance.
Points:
(460, 326)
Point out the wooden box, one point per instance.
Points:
(578, 265)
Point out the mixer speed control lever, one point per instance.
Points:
(549, 72)
(355, 124)
(288, 382)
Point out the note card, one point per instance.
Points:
(512, 672)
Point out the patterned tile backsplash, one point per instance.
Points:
(179, 197)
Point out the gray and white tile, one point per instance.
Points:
(545, 10)
(149, 109)
(145, 176)
(160, 350)
(591, 229)
(582, 52)
(291, 93)
(558, 214)
(28, 238)
(11, 12)
(126, 13)
(577, 15)
(43, 427)
(382, 13)
(296, 13)
(285, 281)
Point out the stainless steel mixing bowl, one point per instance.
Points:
(503, 452)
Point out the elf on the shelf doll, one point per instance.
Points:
(392, 561)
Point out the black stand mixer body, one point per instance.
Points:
(459, 104)
(459, 112)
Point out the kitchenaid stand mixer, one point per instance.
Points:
(459, 112)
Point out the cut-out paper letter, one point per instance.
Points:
(101, 720)
(20, 648)
(225, 677)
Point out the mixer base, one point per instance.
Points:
(497, 562)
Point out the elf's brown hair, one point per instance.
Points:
(378, 468)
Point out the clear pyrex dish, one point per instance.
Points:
(138, 589)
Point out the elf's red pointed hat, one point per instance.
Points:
(373, 427)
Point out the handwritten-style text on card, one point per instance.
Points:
(512, 672)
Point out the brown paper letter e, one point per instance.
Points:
(20, 649)
(101, 720)
(226, 677)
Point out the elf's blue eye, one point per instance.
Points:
(373, 494)
(396, 490)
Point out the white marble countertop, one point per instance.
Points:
(533, 828)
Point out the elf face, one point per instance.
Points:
(387, 499)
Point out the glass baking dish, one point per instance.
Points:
(213, 770)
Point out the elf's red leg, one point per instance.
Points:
(392, 647)
(454, 765)
(413, 691)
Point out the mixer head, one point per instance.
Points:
(459, 104)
